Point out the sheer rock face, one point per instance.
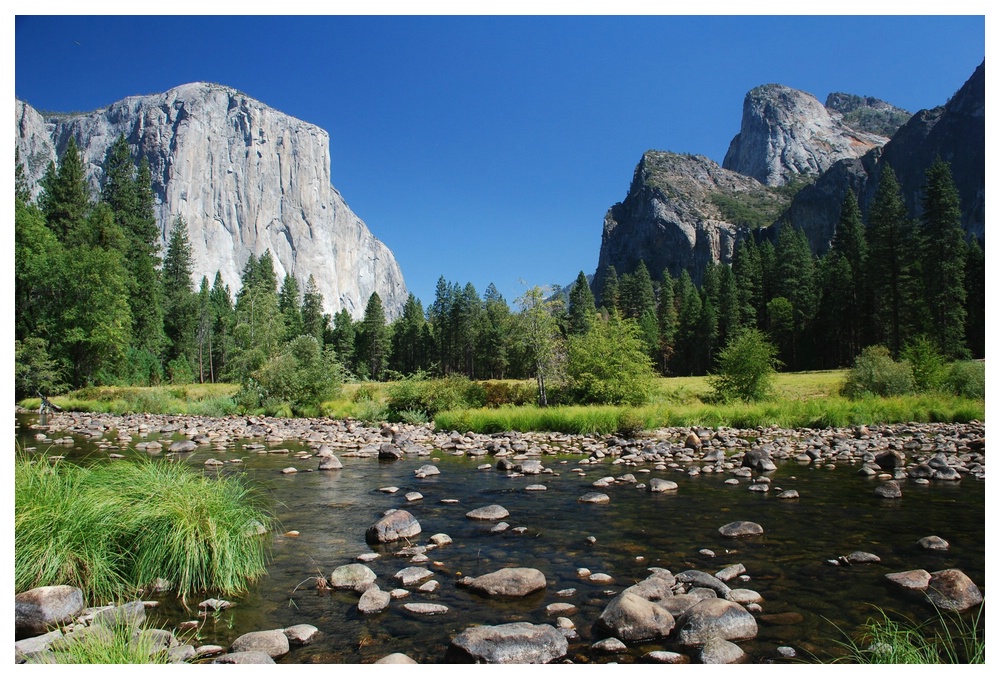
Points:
(671, 218)
(786, 133)
(244, 177)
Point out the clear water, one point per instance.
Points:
(837, 513)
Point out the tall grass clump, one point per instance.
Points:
(943, 639)
(113, 529)
(120, 644)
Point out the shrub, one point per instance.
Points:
(746, 368)
(875, 373)
(609, 364)
(180, 371)
(430, 397)
(301, 376)
(926, 362)
(630, 425)
(34, 371)
(497, 393)
(967, 379)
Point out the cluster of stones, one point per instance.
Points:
(48, 620)
(914, 452)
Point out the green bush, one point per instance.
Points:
(746, 368)
(430, 397)
(967, 379)
(34, 371)
(179, 370)
(875, 373)
(499, 393)
(630, 425)
(301, 377)
(609, 364)
(926, 362)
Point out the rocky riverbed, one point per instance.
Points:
(573, 601)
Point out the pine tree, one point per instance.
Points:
(342, 339)
(313, 321)
(180, 307)
(943, 261)
(850, 243)
(794, 280)
(609, 289)
(749, 283)
(975, 300)
(495, 334)
(204, 332)
(288, 305)
(259, 327)
(889, 266)
(581, 306)
(408, 352)
(373, 342)
(223, 321)
(635, 293)
(666, 316)
(65, 198)
(686, 350)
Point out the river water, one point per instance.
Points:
(837, 513)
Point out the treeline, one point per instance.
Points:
(95, 304)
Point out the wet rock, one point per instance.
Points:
(692, 442)
(661, 485)
(601, 578)
(396, 659)
(272, 642)
(730, 572)
(426, 609)
(933, 542)
(786, 651)
(535, 487)
(396, 526)
(185, 446)
(679, 604)
(952, 590)
(610, 645)
(440, 539)
(665, 658)
(39, 610)
(718, 651)
(426, 470)
(413, 496)
(862, 557)
(509, 582)
(890, 459)
(759, 460)
(354, 576)
(373, 600)
(412, 575)
(786, 618)
(488, 513)
(788, 495)
(530, 467)
(594, 498)
(560, 609)
(214, 605)
(181, 654)
(516, 642)
(738, 529)
(702, 579)
(715, 618)
(244, 658)
(631, 618)
(302, 634)
(389, 452)
(651, 589)
(131, 614)
(34, 645)
(744, 596)
(915, 580)
(889, 490)
(330, 462)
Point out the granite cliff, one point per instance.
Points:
(245, 177)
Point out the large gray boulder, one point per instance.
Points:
(712, 618)
(39, 610)
(509, 582)
(629, 617)
(717, 651)
(131, 614)
(511, 643)
(395, 526)
(355, 576)
(702, 579)
(953, 590)
(488, 513)
(272, 642)
(373, 600)
(739, 529)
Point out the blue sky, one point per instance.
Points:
(488, 149)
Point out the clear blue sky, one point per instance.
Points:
(488, 149)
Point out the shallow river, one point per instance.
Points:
(836, 514)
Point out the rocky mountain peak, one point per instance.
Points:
(786, 133)
(867, 114)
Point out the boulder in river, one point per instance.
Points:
(953, 590)
(509, 582)
(629, 617)
(396, 526)
(511, 643)
(40, 609)
(488, 513)
(355, 576)
(712, 618)
(272, 642)
(738, 529)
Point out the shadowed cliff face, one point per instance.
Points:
(955, 132)
(786, 133)
(680, 214)
(245, 178)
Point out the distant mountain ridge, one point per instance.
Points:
(245, 177)
(684, 211)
